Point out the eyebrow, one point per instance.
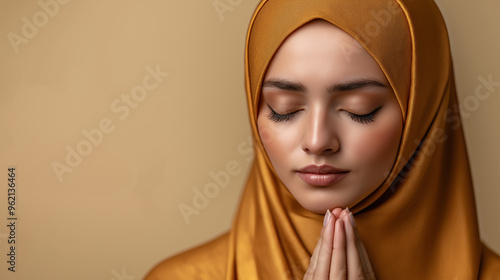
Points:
(288, 85)
(284, 85)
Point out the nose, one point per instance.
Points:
(319, 134)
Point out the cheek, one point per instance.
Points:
(274, 139)
(268, 136)
(280, 142)
(377, 148)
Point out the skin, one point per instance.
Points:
(322, 90)
(340, 253)
(325, 100)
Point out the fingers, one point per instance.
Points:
(339, 264)
(314, 258)
(339, 253)
(358, 263)
(337, 212)
(354, 263)
(322, 268)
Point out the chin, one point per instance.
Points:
(319, 205)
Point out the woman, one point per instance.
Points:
(350, 106)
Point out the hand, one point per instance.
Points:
(339, 254)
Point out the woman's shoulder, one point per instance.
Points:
(207, 261)
(490, 264)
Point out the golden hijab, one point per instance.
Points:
(421, 222)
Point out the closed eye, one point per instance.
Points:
(364, 119)
(275, 117)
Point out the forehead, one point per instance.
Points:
(320, 52)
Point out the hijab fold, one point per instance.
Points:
(421, 222)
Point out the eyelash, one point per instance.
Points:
(363, 119)
(275, 117)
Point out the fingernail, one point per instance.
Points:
(347, 209)
(351, 219)
(327, 217)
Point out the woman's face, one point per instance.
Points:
(328, 118)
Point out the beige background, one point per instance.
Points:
(116, 213)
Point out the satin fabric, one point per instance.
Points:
(421, 222)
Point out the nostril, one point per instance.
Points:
(319, 151)
(327, 151)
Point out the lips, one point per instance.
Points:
(321, 175)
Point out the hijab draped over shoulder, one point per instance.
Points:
(421, 222)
